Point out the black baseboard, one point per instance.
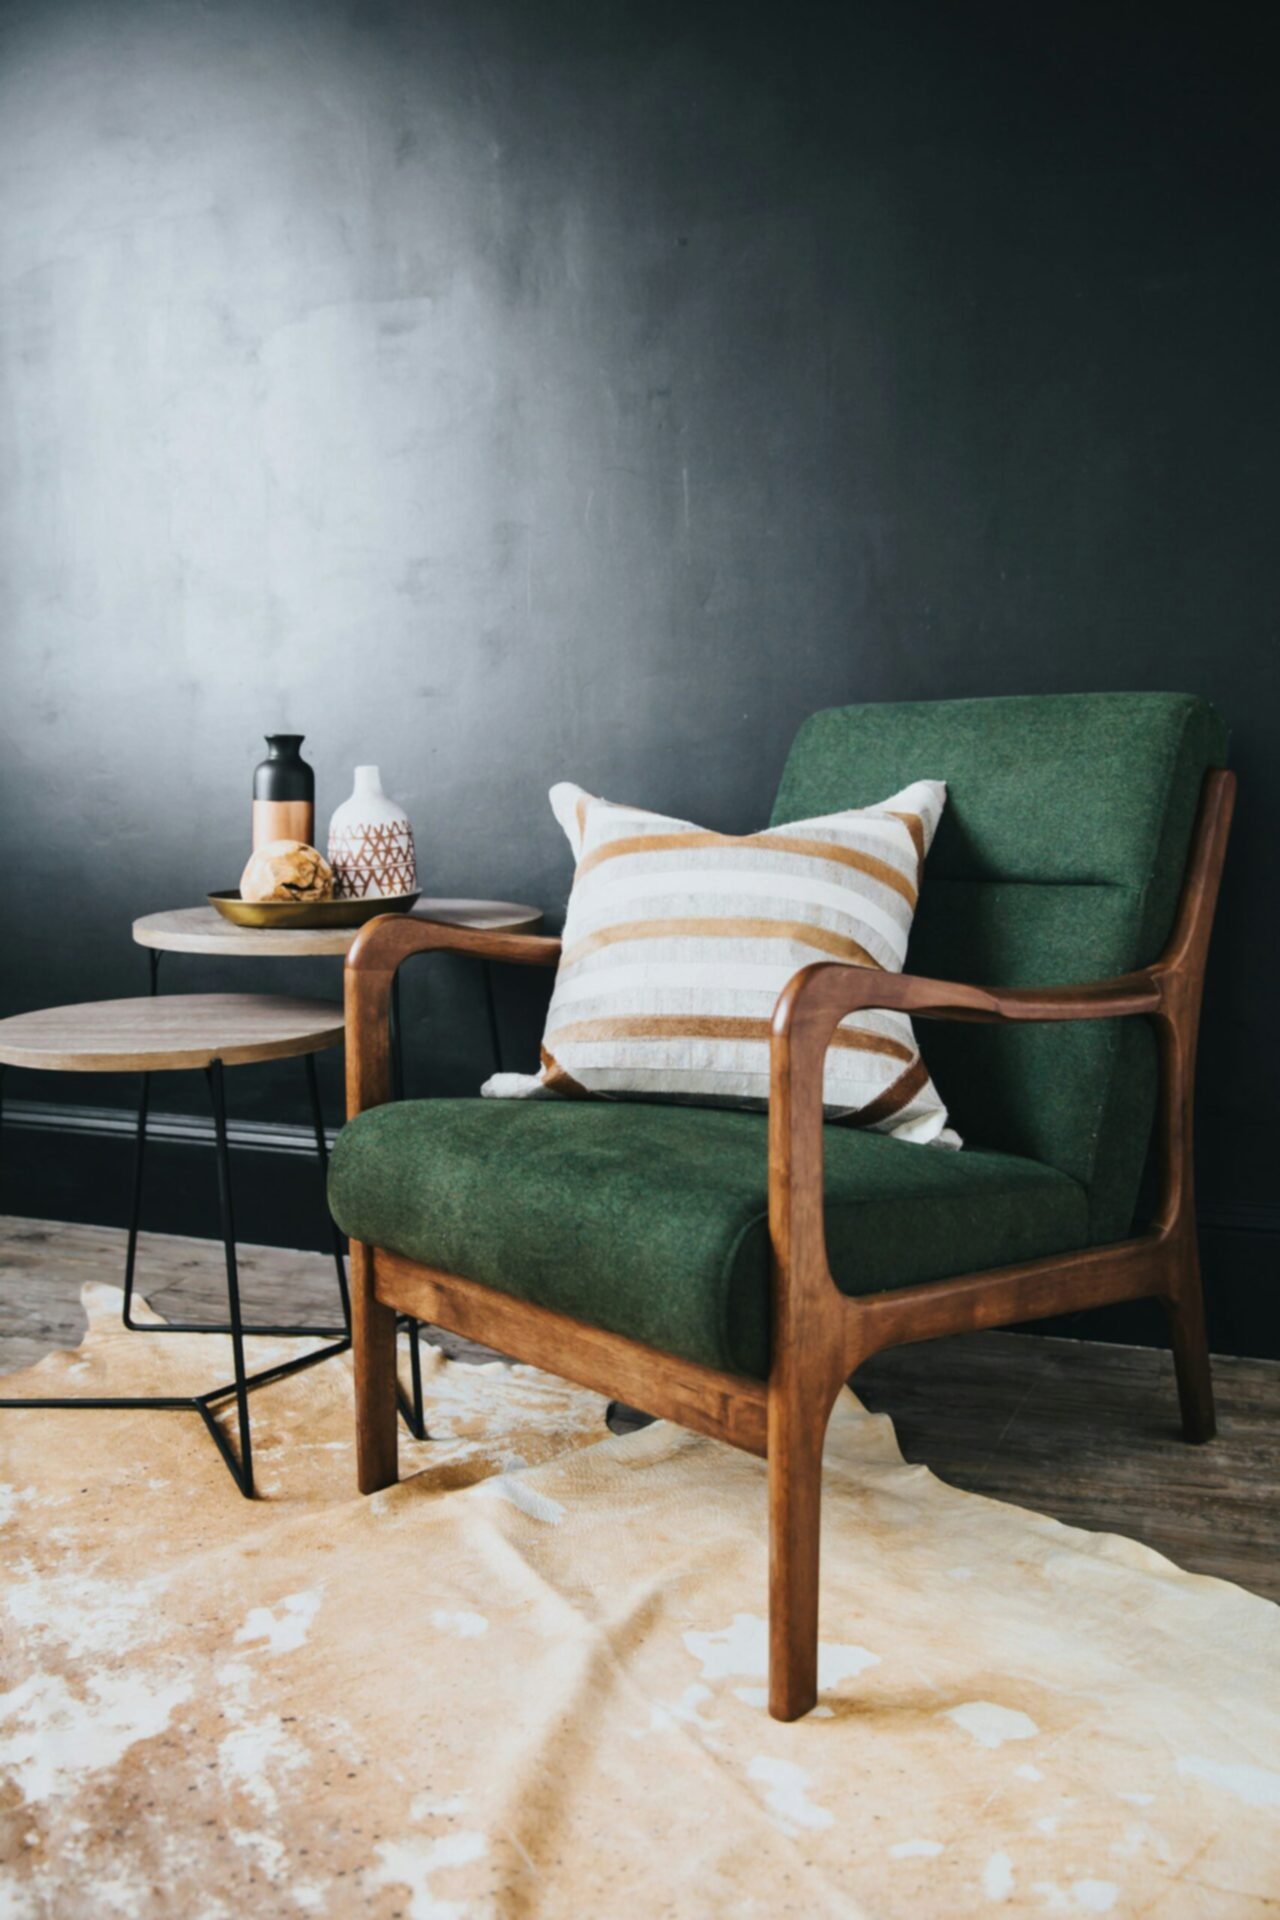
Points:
(175, 1129)
(64, 1162)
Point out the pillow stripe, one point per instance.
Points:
(736, 882)
(707, 1027)
(915, 827)
(845, 856)
(558, 1080)
(838, 944)
(894, 1099)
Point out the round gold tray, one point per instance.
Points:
(305, 913)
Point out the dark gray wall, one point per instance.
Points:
(507, 392)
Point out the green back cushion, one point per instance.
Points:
(1059, 859)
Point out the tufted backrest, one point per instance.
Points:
(1059, 859)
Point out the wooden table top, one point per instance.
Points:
(151, 1035)
(204, 930)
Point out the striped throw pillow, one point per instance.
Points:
(677, 943)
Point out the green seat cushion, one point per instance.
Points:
(652, 1221)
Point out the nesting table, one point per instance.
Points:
(209, 1032)
(203, 930)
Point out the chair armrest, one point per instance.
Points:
(380, 947)
(821, 995)
(808, 1011)
(815, 1001)
(382, 944)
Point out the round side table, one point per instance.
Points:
(203, 930)
(208, 1031)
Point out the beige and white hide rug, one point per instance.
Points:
(529, 1680)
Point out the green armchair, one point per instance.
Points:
(730, 1270)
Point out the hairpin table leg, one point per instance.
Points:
(239, 1389)
(243, 1470)
(139, 1151)
(322, 1154)
(491, 1011)
(397, 1041)
(135, 1203)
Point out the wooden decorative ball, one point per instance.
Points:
(286, 870)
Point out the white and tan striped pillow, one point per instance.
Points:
(678, 942)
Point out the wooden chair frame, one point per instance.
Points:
(819, 1335)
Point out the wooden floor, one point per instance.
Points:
(1085, 1432)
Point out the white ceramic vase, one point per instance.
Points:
(371, 843)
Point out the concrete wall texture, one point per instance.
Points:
(506, 393)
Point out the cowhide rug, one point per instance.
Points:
(529, 1681)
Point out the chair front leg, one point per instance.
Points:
(806, 1370)
(798, 1418)
(373, 1340)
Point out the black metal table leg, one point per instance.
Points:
(135, 1203)
(491, 1009)
(242, 1470)
(244, 1383)
(322, 1154)
(412, 1410)
(397, 1042)
(224, 1326)
(139, 1150)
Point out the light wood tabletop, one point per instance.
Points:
(204, 930)
(153, 1034)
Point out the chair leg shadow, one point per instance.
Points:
(620, 1418)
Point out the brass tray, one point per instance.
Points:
(305, 913)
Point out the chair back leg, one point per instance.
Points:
(1190, 1342)
(1182, 970)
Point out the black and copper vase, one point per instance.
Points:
(284, 793)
